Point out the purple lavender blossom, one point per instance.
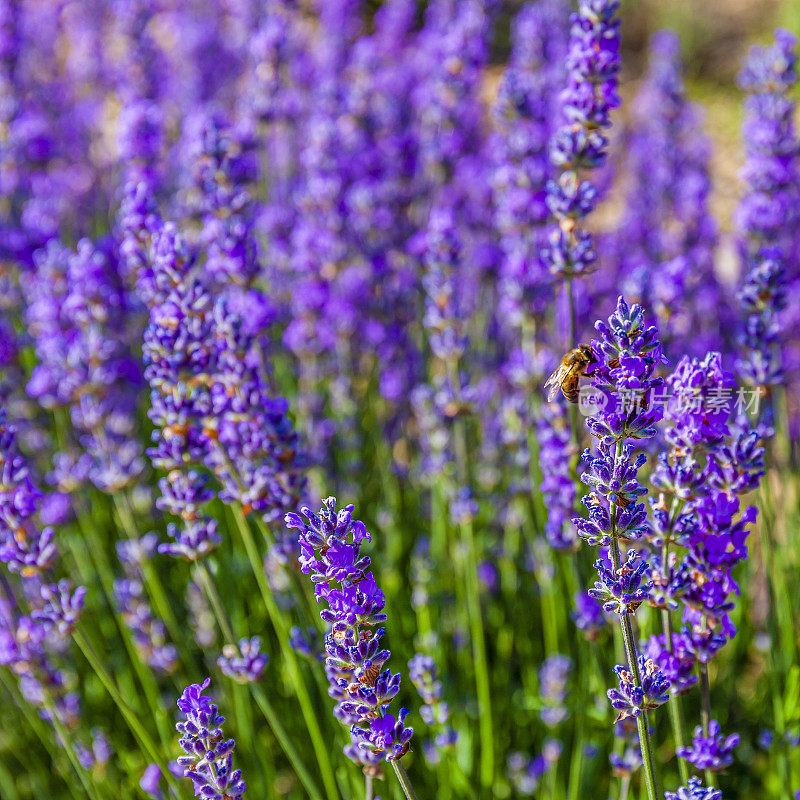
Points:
(149, 633)
(257, 455)
(553, 675)
(588, 615)
(708, 464)
(24, 547)
(244, 662)
(141, 142)
(209, 757)
(526, 773)
(676, 663)
(62, 607)
(224, 164)
(557, 487)
(694, 790)
(150, 780)
(767, 217)
(623, 591)
(79, 315)
(593, 62)
(626, 763)
(434, 711)
(667, 236)
(525, 118)
(713, 752)
(306, 643)
(330, 552)
(631, 699)
(179, 352)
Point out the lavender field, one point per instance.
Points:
(398, 400)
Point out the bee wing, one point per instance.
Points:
(554, 382)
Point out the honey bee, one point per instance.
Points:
(569, 372)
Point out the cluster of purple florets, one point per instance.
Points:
(208, 758)
(767, 215)
(210, 400)
(434, 711)
(37, 618)
(593, 62)
(330, 553)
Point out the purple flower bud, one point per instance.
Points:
(630, 699)
(713, 752)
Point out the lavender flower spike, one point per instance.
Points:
(435, 712)
(330, 553)
(593, 62)
(24, 547)
(627, 353)
(767, 216)
(208, 760)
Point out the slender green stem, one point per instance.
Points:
(705, 711)
(648, 759)
(477, 632)
(576, 761)
(155, 588)
(369, 788)
(142, 670)
(69, 748)
(674, 703)
(405, 783)
(135, 725)
(482, 679)
(205, 580)
(675, 712)
(321, 750)
(273, 720)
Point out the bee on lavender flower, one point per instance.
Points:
(568, 374)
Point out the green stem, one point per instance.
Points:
(273, 720)
(477, 632)
(674, 703)
(648, 760)
(646, 744)
(135, 725)
(321, 750)
(482, 680)
(205, 580)
(68, 746)
(705, 712)
(405, 783)
(152, 580)
(142, 670)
